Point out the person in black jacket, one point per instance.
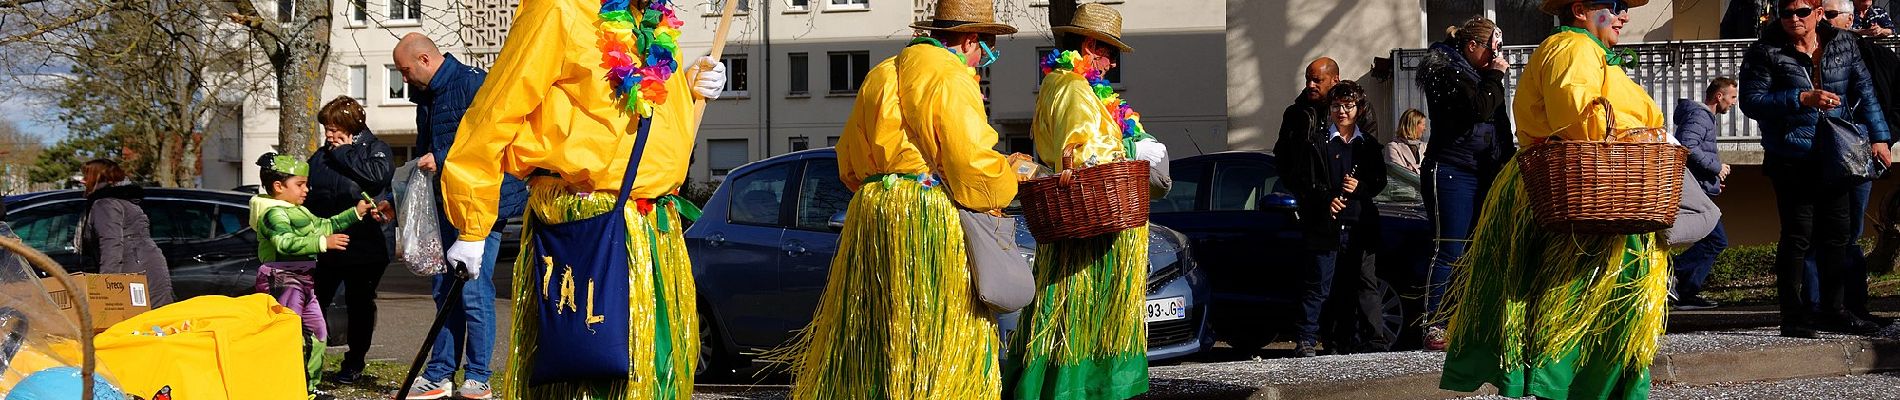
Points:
(351, 165)
(1881, 64)
(1463, 81)
(1338, 168)
(1779, 90)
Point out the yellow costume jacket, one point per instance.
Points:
(942, 109)
(874, 142)
(1068, 113)
(547, 104)
(1565, 75)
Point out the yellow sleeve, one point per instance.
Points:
(531, 61)
(875, 122)
(1572, 82)
(1069, 114)
(943, 109)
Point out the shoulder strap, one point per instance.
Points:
(633, 161)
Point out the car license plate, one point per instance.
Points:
(1167, 309)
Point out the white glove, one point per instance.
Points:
(712, 78)
(470, 255)
(1156, 154)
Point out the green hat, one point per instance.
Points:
(289, 165)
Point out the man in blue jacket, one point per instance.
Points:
(442, 89)
(1696, 129)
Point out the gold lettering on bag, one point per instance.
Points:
(591, 318)
(547, 272)
(567, 291)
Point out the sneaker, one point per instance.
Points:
(347, 375)
(1305, 349)
(1434, 339)
(473, 390)
(1696, 302)
(423, 389)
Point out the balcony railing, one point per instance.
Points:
(1668, 70)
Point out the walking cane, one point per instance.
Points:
(451, 303)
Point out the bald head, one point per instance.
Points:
(417, 58)
(1321, 74)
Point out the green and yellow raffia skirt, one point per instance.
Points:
(898, 319)
(1084, 337)
(1552, 315)
(663, 334)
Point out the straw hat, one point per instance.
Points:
(1099, 22)
(1559, 7)
(974, 16)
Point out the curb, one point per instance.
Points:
(1770, 363)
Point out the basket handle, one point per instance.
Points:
(1068, 163)
(44, 264)
(1609, 116)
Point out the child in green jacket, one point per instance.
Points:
(289, 238)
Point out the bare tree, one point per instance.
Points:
(297, 44)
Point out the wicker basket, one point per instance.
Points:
(39, 260)
(1604, 187)
(1086, 202)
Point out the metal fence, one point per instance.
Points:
(1668, 70)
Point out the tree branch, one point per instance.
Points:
(17, 3)
(267, 34)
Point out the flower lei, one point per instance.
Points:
(638, 49)
(1125, 116)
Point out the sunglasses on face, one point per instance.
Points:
(1798, 13)
(1615, 6)
(1832, 14)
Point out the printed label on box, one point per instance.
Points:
(138, 294)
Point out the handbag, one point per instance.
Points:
(583, 312)
(1001, 274)
(1845, 155)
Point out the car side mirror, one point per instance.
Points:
(1279, 201)
(836, 223)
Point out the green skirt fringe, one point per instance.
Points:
(663, 317)
(1084, 336)
(1552, 315)
(898, 319)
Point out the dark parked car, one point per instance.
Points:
(205, 234)
(763, 249)
(1241, 224)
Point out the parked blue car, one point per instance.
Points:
(1241, 224)
(763, 248)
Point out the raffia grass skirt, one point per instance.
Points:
(898, 318)
(1084, 336)
(663, 318)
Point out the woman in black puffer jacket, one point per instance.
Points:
(1778, 90)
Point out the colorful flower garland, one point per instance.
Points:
(1125, 116)
(639, 51)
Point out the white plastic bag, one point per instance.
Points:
(418, 235)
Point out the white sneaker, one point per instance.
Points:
(423, 389)
(473, 390)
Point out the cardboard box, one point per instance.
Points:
(112, 297)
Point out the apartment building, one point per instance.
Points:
(1207, 76)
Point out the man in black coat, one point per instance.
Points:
(1334, 177)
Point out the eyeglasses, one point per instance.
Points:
(1616, 6)
(1798, 13)
(1345, 107)
(1832, 14)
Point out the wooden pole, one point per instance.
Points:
(718, 49)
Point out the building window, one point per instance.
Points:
(285, 10)
(850, 4)
(359, 12)
(801, 74)
(800, 143)
(723, 155)
(359, 82)
(398, 91)
(715, 7)
(798, 5)
(831, 141)
(1521, 22)
(405, 10)
(848, 70)
(735, 76)
(1114, 76)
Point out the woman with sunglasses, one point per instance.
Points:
(1552, 314)
(1779, 89)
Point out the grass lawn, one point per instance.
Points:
(1744, 275)
(379, 379)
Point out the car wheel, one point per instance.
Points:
(711, 363)
(1394, 309)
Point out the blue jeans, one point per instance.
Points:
(468, 336)
(1453, 197)
(1854, 290)
(1693, 265)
